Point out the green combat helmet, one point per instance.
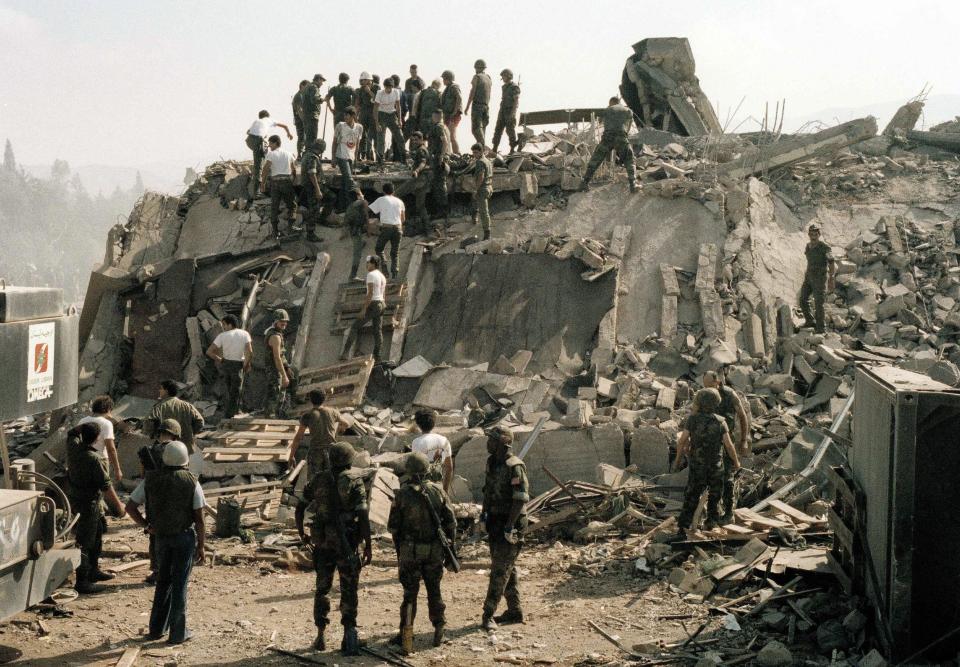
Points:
(341, 455)
(447, 74)
(171, 426)
(417, 464)
(500, 434)
(507, 72)
(481, 63)
(707, 400)
(280, 315)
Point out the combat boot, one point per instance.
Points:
(633, 186)
(438, 634)
(100, 575)
(86, 587)
(320, 644)
(486, 235)
(487, 623)
(510, 616)
(679, 536)
(351, 643)
(406, 640)
(726, 519)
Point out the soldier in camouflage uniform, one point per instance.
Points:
(311, 103)
(483, 175)
(480, 99)
(311, 182)
(733, 413)
(617, 120)
(438, 146)
(419, 550)
(451, 102)
(507, 117)
(505, 492)
(297, 104)
(366, 99)
(419, 163)
(340, 523)
(818, 279)
(424, 104)
(278, 365)
(702, 440)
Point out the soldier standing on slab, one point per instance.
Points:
(366, 102)
(505, 492)
(232, 351)
(451, 102)
(387, 117)
(340, 523)
(256, 142)
(324, 424)
(283, 170)
(424, 105)
(411, 88)
(703, 437)
(420, 552)
(483, 183)
(169, 406)
(438, 146)
(311, 191)
(733, 413)
(617, 120)
(355, 222)
(507, 116)
(297, 104)
(277, 367)
(374, 304)
(419, 163)
(338, 99)
(818, 279)
(311, 101)
(480, 100)
(89, 484)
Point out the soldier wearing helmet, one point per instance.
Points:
(451, 102)
(507, 117)
(818, 279)
(703, 436)
(732, 410)
(479, 98)
(340, 524)
(277, 352)
(151, 460)
(505, 492)
(418, 506)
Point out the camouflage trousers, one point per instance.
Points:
(729, 486)
(600, 153)
(503, 571)
(88, 533)
(481, 203)
(703, 477)
(479, 121)
(505, 122)
(326, 562)
(274, 407)
(813, 287)
(421, 561)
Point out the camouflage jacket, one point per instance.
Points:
(510, 100)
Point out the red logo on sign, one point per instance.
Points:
(41, 357)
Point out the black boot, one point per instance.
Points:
(351, 643)
(487, 623)
(633, 186)
(486, 235)
(438, 634)
(510, 616)
(100, 575)
(320, 644)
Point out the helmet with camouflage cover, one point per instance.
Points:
(501, 434)
(280, 315)
(171, 426)
(341, 455)
(320, 146)
(707, 400)
(481, 63)
(507, 72)
(417, 464)
(447, 74)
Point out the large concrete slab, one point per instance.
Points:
(447, 388)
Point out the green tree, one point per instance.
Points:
(9, 161)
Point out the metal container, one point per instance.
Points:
(906, 459)
(19, 304)
(39, 362)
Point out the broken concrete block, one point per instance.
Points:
(668, 317)
(803, 367)
(777, 382)
(667, 398)
(775, 654)
(627, 417)
(503, 366)
(529, 189)
(669, 277)
(587, 393)
(785, 320)
(607, 388)
(538, 244)
(649, 450)
(706, 267)
(711, 313)
(520, 360)
(588, 257)
(753, 335)
(738, 377)
(578, 413)
(831, 358)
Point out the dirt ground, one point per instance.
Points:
(235, 612)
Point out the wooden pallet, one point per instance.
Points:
(259, 425)
(261, 497)
(846, 558)
(345, 384)
(350, 302)
(249, 446)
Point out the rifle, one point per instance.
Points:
(450, 560)
(346, 551)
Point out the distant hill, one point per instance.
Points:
(106, 178)
(938, 108)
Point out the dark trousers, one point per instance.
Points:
(479, 122)
(389, 234)
(374, 316)
(174, 561)
(505, 122)
(310, 207)
(602, 151)
(729, 486)
(301, 135)
(421, 561)
(503, 571)
(703, 477)
(326, 563)
(357, 253)
(89, 536)
(311, 126)
(233, 379)
(367, 139)
(346, 184)
(255, 144)
(281, 189)
(388, 121)
(816, 287)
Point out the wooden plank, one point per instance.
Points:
(320, 267)
(840, 530)
(259, 436)
(264, 451)
(129, 657)
(400, 328)
(794, 513)
(123, 567)
(239, 488)
(749, 516)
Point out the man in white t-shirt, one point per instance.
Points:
(283, 170)
(347, 135)
(105, 445)
(232, 351)
(373, 306)
(387, 117)
(392, 214)
(257, 138)
(435, 447)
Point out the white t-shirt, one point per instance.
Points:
(261, 127)
(433, 446)
(347, 139)
(106, 430)
(139, 496)
(233, 343)
(387, 101)
(390, 209)
(379, 283)
(281, 162)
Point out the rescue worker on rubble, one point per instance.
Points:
(505, 492)
(338, 99)
(366, 103)
(232, 351)
(818, 279)
(281, 165)
(151, 460)
(323, 423)
(617, 120)
(417, 508)
(89, 484)
(297, 104)
(733, 413)
(483, 188)
(256, 142)
(311, 191)
(371, 311)
(419, 163)
(435, 447)
(438, 148)
(479, 99)
(174, 502)
(340, 524)
(704, 434)
(411, 88)
(281, 373)
(169, 406)
(451, 103)
(424, 104)
(311, 104)
(507, 116)
(356, 220)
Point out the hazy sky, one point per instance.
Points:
(137, 83)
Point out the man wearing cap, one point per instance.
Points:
(507, 116)
(355, 222)
(818, 278)
(311, 192)
(232, 351)
(420, 509)
(366, 101)
(297, 104)
(483, 187)
(347, 135)
(374, 304)
(387, 117)
(451, 102)
(617, 119)
(312, 103)
(256, 142)
(323, 423)
(341, 523)
(151, 460)
(505, 492)
(174, 502)
(89, 485)
(168, 406)
(277, 367)
(480, 99)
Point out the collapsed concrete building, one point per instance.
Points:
(587, 318)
